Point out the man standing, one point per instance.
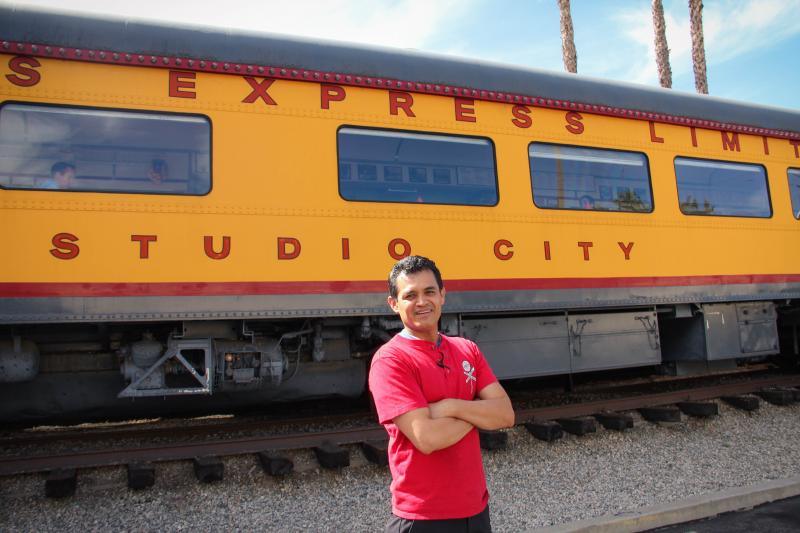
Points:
(431, 393)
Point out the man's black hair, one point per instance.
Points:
(411, 265)
(60, 167)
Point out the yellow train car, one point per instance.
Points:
(216, 214)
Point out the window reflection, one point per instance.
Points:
(794, 191)
(719, 188)
(571, 177)
(76, 149)
(396, 166)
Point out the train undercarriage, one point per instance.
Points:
(67, 372)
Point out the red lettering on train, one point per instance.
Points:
(547, 250)
(626, 249)
(465, 110)
(208, 246)
(796, 144)
(503, 249)
(65, 247)
(345, 248)
(401, 100)
(144, 244)
(693, 132)
(522, 116)
(259, 91)
(181, 84)
(574, 124)
(730, 142)
(403, 244)
(585, 246)
(331, 93)
(653, 137)
(766, 144)
(288, 248)
(25, 69)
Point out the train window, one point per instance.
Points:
(392, 173)
(719, 188)
(441, 176)
(344, 171)
(103, 150)
(418, 175)
(794, 190)
(418, 167)
(572, 177)
(367, 173)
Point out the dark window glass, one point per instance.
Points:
(468, 162)
(367, 173)
(441, 176)
(62, 148)
(418, 175)
(720, 188)
(794, 190)
(571, 177)
(392, 173)
(344, 171)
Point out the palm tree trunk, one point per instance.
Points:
(567, 38)
(698, 48)
(662, 51)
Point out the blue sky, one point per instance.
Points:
(752, 46)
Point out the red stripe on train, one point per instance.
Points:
(38, 290)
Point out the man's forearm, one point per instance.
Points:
(437, 434)
(494, 413)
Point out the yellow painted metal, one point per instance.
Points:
(274, 174)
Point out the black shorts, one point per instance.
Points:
(478, 523)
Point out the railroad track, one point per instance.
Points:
(328, 444)
(210, 425)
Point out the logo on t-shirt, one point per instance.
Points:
(469, 371)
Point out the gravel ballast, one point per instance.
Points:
(531, 483)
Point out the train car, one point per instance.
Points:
(199, 219)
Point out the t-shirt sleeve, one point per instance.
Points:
(394, 389)
(484, 372)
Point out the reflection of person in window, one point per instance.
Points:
(158, 172)
(62, 175)
(587, 202)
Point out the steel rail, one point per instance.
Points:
(147, 430)
(189, 450)
(185, 450)
(207, 428)
(653, 400)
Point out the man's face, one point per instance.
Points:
(64, 179)
(419, 303)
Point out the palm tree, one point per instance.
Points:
(662, 51)
(698, 48)
(567, 38)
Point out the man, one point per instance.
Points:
(431, 393)
(62, 175)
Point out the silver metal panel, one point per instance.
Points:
(107, 309)
(614, 340)
(756, 311)
(522, 346)
(722, 331)
(758, 328)
(759, 338)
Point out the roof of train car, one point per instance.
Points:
(68, 29)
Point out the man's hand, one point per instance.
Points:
(491, 411)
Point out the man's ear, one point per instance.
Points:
(443, 294)
(392, 303)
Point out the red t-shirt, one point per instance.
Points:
(404, 376)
